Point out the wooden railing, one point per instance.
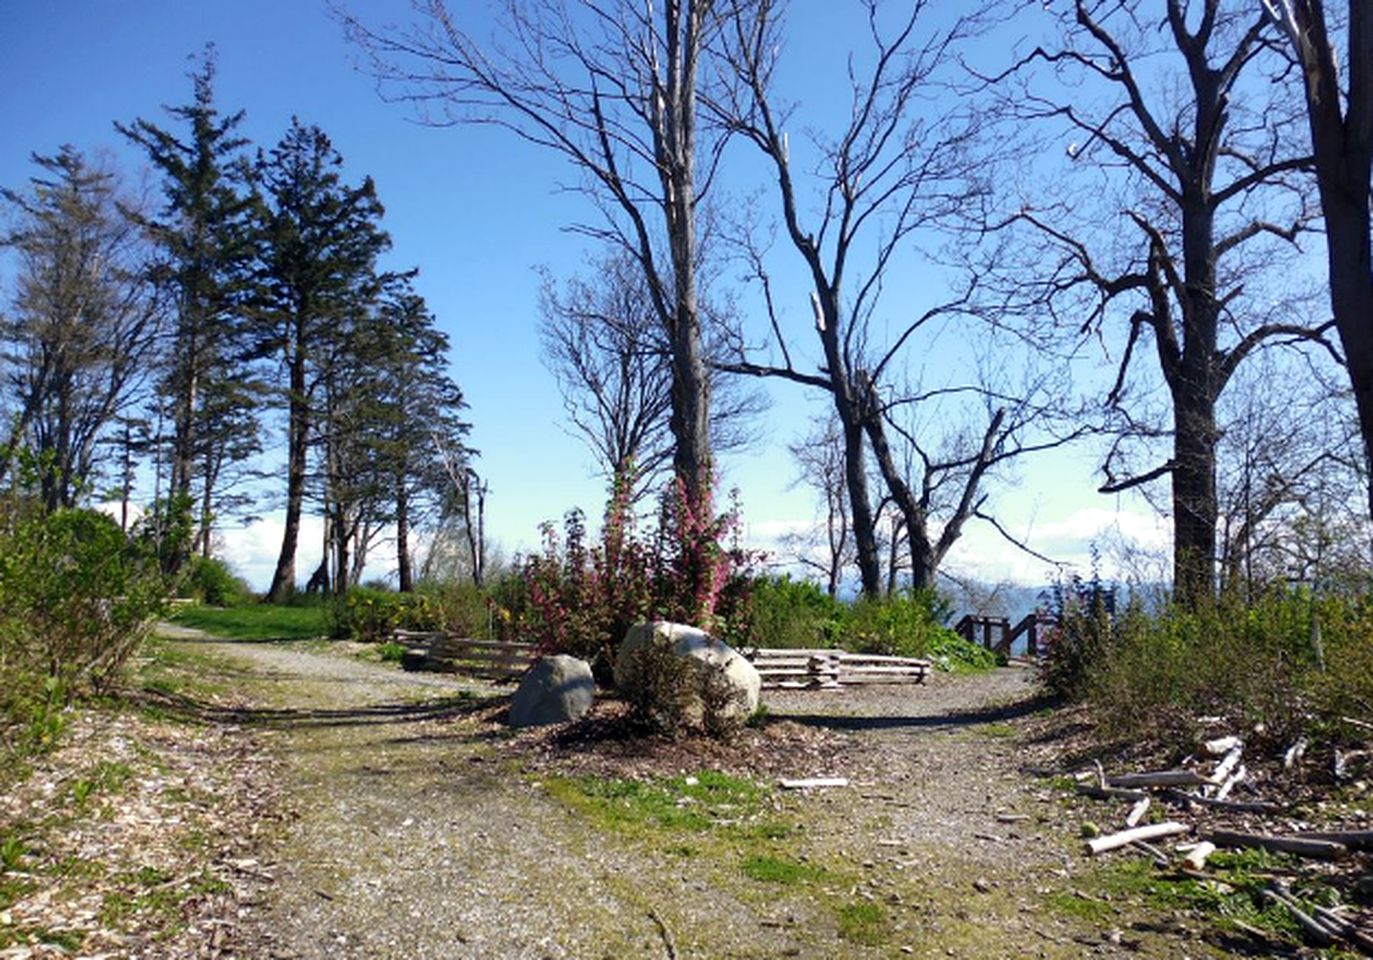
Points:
(997, 635)
(488, 659)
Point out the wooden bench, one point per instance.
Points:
(832, 669)
(445, 653)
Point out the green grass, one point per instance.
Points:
(259, 621)
(863, 923)
(691, 804)
(781, 871)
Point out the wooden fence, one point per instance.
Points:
(492, 660)
(832, 669)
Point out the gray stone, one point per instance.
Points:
(741, 676)
(555, 689)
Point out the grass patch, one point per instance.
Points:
(781, 871)
(1233, 895)
(692, 804)
(996, 730)
(259, 621)
(863, 923)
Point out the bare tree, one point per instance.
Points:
(605, 347)
(81, 335)
(613, 88)
(820, 459)
(1204, 197)
(900, 165)
(1340, 115)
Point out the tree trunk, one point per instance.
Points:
(1194, 497)
(297, 449)
(405, 577)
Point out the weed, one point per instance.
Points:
(12, 852)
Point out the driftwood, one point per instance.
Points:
(1196, 857)
(1109, 793)
(1224, 789)
(1227, 764)
(1124, 838)
(809, 783)
(1222, 745)
(1294, 753)
(1240, 806)
(1137, 812)
(1318, 931)
(1298, 846)
(1353, 839)
(1159, 778)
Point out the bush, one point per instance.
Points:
(369, 615)
(76, 596)
(789, 613)
(909, 625)
(1254, 663)
(660, 687)
(211, 581)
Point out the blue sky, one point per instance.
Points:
(476, 210)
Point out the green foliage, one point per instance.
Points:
(76, 596)
(1253, 662)
(369, 615)
(780, 871)
(660, 687)
(391, 652)
(696, 804)
(909, 625)
(789, 613)
(863, 922)
(211, 580)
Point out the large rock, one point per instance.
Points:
(554, 690)
(739, 675)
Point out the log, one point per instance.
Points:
(1137, 812)
(1196, 857)
(1222, 745)
(1158, 778)
(1353, 839)
(1239, 806)
(1298, 846)
(1124, 838)
(1109, 793)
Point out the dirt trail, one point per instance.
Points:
(420, 831)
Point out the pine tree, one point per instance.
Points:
(317, 267)
(205, 234)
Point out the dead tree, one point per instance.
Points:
(1170, 123)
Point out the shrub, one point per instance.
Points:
(1080, 638)
(211, 581)
(370, 615)
(906, 625)
(789, 613)
(660, 687)
(76, 595)
(581, 599)
(1254, 663)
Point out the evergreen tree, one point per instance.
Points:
(205, 234)
(83, 320)
(317, 267)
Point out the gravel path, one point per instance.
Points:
(424, 829)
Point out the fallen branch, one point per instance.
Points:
(1240, 806)
(1137, 812)
(1319, 932)
(1109, 793)
(813, 782)
(1224, 789)
(1298, 846)
(1196, 857)
(1124, 838)
(668, 943)
(1353, 839)
(1294, 753)
(1159, 778)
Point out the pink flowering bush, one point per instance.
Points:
(583, 598)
